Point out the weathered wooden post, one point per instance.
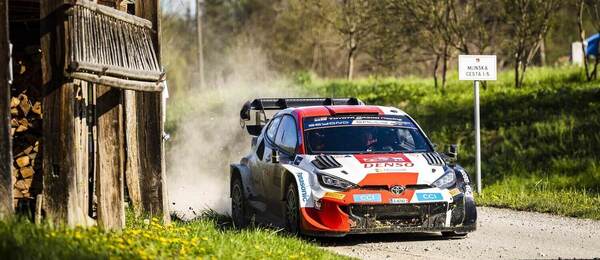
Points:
(150, 134)
(63, 121)
(6, 185)
(111, 157)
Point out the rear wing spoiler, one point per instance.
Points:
(260, 105)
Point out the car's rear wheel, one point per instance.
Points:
(292, 209)
(238, 204)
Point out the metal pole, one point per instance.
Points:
(477, 137)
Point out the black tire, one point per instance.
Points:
(239, 212)
(292, 209)
(452, 234)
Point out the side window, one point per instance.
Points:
(260, 150)
(273, 128)
(287, 136)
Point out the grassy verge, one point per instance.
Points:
(539, 142)
(205, 238)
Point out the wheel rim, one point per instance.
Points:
(237, 204)
(292, 210)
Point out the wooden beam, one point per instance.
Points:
(64, 118)
(6, 185)
(132, 166)
(111, 157)
(109, 182)
(132, 158)
(118, 83)
(151, 127)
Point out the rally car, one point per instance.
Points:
(332, 167)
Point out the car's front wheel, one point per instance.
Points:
(292, 209)
(238, 204)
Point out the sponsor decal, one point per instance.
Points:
(332, 121)
(429, 196)
(383, 160)
(398, 200)
(303, 193)
(375, 197)
(389, 165)
(335, 195)
(297, 160)
(468, 190)
(454, 192)
(465, 176)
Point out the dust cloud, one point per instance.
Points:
(209, 136)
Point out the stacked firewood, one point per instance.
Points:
(26, 130)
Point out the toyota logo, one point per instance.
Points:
(397, 189)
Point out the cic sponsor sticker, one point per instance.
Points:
(375, 197)
(429, 196)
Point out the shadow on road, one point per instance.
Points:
(351, 240)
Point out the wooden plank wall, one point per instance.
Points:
(64, 115)
(6, 196)
(150, 131)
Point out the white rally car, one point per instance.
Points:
(332, 167)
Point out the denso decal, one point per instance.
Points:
(389, 164)
(429, 196)
(303, 192)
(375, 197)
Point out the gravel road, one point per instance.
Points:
(501, 234)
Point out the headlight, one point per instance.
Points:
(447, 180)
(331, 182)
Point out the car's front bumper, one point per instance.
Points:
(335, 219)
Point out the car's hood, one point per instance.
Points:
(379, 169)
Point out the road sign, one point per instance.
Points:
(477, 68)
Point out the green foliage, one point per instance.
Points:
(547, 130)
(206, 238)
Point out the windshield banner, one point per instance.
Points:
(335, 121)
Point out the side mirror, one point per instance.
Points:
(453, 152)
(274, 156)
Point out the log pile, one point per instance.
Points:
(26, 128)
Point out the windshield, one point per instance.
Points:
(363, 134)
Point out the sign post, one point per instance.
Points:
(477, 68)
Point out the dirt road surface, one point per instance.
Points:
(501, 234)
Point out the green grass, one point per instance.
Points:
(547, 130)
(207, 238)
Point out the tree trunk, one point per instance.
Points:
(444, 67)
(6, 185)
(542, 52)
(201, 75)
(582, 39)
(350, 71)
(435, 68)
(517, 61)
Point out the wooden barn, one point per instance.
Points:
(81, 127)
